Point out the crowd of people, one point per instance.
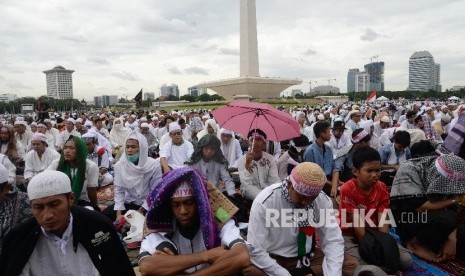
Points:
(215, 202)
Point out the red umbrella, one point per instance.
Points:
(243, 116)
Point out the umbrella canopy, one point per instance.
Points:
(382, 98)
(243, 116)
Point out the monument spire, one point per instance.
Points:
(249, 47)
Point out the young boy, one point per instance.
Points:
(365, 191)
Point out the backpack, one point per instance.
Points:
(380, 249)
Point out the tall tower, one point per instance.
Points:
(249, 45)
(59, 83)
(424, 74)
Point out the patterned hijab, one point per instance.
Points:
(160, 217)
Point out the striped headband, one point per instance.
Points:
(357, 138)
(446, 172)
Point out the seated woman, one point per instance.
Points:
(424, 195)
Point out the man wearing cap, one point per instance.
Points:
(22, 134)
(188, 235)
(380, 126)
(442, 125)
(40, 157)
(80, 127)
(257, 169)
(69, 131)
(62, 239)
(339, 139)
(355, 116)
(284, 237)
(175, 152)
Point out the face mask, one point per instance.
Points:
(133, 158)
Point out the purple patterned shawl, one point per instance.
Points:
(160, 217)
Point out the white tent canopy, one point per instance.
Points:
(382, 98)
(454, 98)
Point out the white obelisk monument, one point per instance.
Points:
(249, 82)
(249, 44)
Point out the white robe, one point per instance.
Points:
(34, 164)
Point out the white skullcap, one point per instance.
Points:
(41, 125)
(385, 119)
(143, 119)
(33, 124)
(444, 106)
(4, 174)
(21, 122)
(48, 183)
(89, 134)
(321, 117)
(47, 121)
(78, 120)
(144, 125)
(206, 117)
(173, 126)
(71, 120)
(134, 116)
(39, 137)
(446, 118)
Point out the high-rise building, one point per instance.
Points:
(166, 90)
(362, 82)
(105, 100)
(149, 96)
(351, 79)
(59, 83)
(376, 72)
(423, 73)
(196, 91)
(6, 98)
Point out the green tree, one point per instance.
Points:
(188, 98)
(204, 98)
(216, 97)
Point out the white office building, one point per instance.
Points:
(59, 83)
(424, 74)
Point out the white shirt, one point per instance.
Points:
(35, 164)
(177, 155)
(55, 256)
(282, 241)
(5, 161)
(336, 144)
(64, 136)
(91, 180)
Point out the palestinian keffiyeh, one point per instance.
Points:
(430, 176)
(159, 215)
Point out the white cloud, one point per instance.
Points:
(125, 76)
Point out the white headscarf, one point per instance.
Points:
(119, 133)
(204, 131)
(132, 175)
(231, 148)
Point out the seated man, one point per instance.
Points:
(179, 205)
(100, 157)
(40, 157)
(394, 154)
(322, 155)
(428, 189)
(62, 239)
(365, 192)
(174, 153)
(283, 238)
(257, 169)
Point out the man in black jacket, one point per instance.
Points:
(62, 239)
